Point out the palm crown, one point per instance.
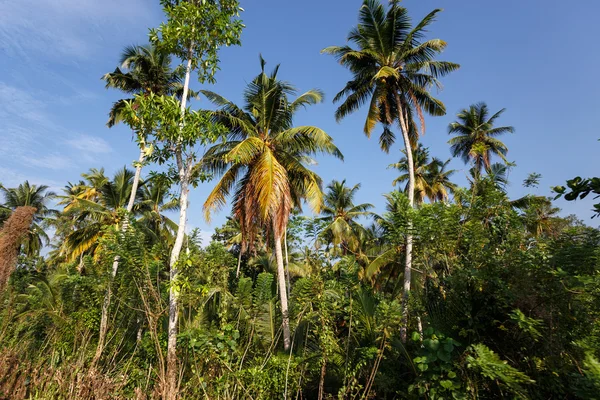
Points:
(265, 156)
(432, 178)
(148, 70)
(91, 205)
(476, 137)
(341, 214)
(392, 69)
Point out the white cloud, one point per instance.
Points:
(12, 178)
(52, 161)
(89, 144)
(28, 131)
(60, 28)
(20, 105)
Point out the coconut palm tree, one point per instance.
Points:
(440, 183)
(37, 196)
(432, 179)
(154, 201)
(476, 137)
(147, 70)
(142, 70)
(93, 206)
(340, 214)
(420, 166)
(496, 176)
(392, 71)
(264, 163)
(94, 203)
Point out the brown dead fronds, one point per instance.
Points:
(12, 233)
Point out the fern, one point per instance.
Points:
(491, 366)
(263, 291)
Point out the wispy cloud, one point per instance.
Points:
(89, 144)
(24, 121)
(12, 178)
(60, 28)
(29, 132)
(19, 105)
(51, 161)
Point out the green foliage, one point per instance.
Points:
(489, 365)
(161, 115)
(526, 324)
(532, 180)
(578, 188)
(505, 294)
(196, 29)
(589, 385)
(437, 370)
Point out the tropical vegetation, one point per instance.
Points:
(307, 291)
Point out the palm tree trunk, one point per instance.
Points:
(282, 292)
(409, 225)
(184, 175)
(287, 262)
(115, 266)
(239, 264)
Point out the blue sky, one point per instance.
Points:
(536, 58)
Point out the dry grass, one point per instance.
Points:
(20, 380)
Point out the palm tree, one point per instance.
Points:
(476, 139)
(147, 70)
(264, 160)
(340, 214)
(496, 175)
(36, 196)
(153, 203)
(385, 252)
(392, 70)
(155, 199)
(93, 205)
(439, 176)
(432, 179)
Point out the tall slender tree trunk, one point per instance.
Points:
(409, 225)
(172, 362)
(184, 176)
(239, 264)
(115, 266)
(287, 262)
(136, 179)
(282, 291)
(322, 378)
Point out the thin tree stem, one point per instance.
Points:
(409, 225)
(184, 177)
(282, 289)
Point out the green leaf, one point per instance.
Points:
(446, 384)
(443, 355)
(431, 344)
